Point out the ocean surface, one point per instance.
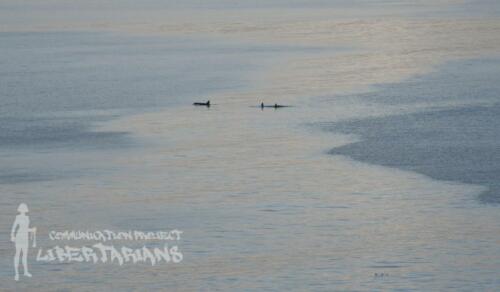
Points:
(457, 142)
(390, 187)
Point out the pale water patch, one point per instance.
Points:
(275, 207)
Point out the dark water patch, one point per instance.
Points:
(44, 138)
(457, 145)
(13, 177)
(50, 133)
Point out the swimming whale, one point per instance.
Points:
(262, 105)
(202, 103)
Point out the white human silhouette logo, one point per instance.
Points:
(20, 236)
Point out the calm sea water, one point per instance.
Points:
(97, 132)
(455, 142)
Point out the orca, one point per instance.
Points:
(203, 103)
(262, 105)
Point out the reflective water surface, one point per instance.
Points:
(97, 131)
